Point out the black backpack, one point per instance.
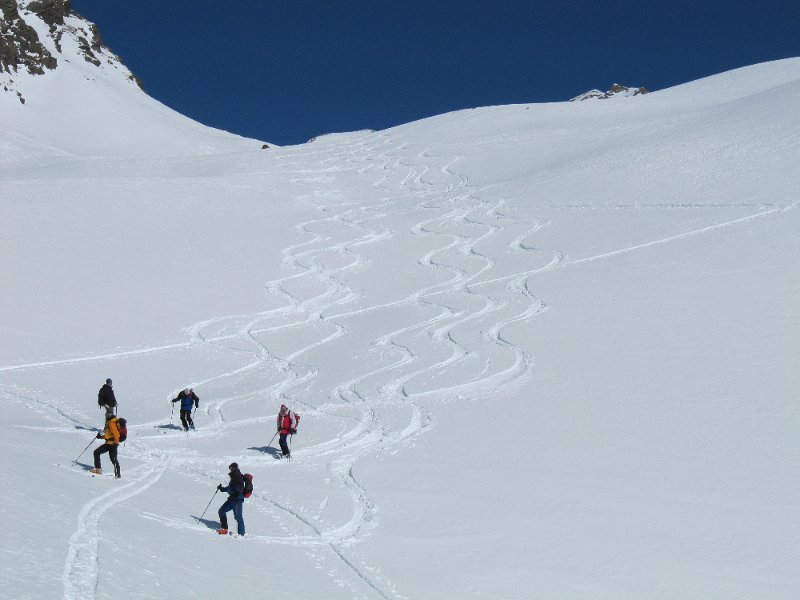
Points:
(103, 397)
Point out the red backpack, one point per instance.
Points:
(122, 426)
(248, 485)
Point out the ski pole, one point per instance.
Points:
(85, 449)
(273, 438)
(209, 504)
(172, 413)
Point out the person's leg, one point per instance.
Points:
(183, 420)
(189, 419)
(98, 451)
(112, 454)
(237, 514)
(284, 445)
(223, 517)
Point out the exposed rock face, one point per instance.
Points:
(23, 50)
(20, 45)
(51, 12)
(615, 90)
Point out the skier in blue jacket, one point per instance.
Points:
(235, 501)
(188, 400)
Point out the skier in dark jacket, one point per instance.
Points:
(235, 501)
(106, 399)
(187, 399)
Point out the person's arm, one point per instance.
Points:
(113, 429)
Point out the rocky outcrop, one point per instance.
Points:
(616, 90)
(20, 46)
(22, 50)
(51, 12)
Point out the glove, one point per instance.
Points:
(293, 431)
(279, 429)
(99, 436)
(219, 487)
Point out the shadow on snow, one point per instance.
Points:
(208, 523)
(274, 452)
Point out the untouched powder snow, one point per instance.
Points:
(539, 351)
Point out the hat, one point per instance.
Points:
(233, 466)
(108, 380)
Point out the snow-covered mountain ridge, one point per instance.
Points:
(615, 91)
(62, 92)
(540, 351)
(37, 33)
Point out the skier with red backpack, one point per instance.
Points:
(287, 425)
(236, 490)
(116, 432)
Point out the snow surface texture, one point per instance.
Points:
(539, 351)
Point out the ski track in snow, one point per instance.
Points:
(82, 564)
(456, 224)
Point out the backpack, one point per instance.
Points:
(248, 485)
(102, 397)
(291, 414)
(122, 426)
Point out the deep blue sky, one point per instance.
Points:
(287, 70)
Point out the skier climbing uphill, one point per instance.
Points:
(106, 399)
(287, 425)
(187, 398)
(114, 433)
(235, 501)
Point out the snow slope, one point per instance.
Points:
(540, 351)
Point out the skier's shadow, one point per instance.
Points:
(273, 452)
(170, 426)
(208, 523)
(84, 428)
(84, 466)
